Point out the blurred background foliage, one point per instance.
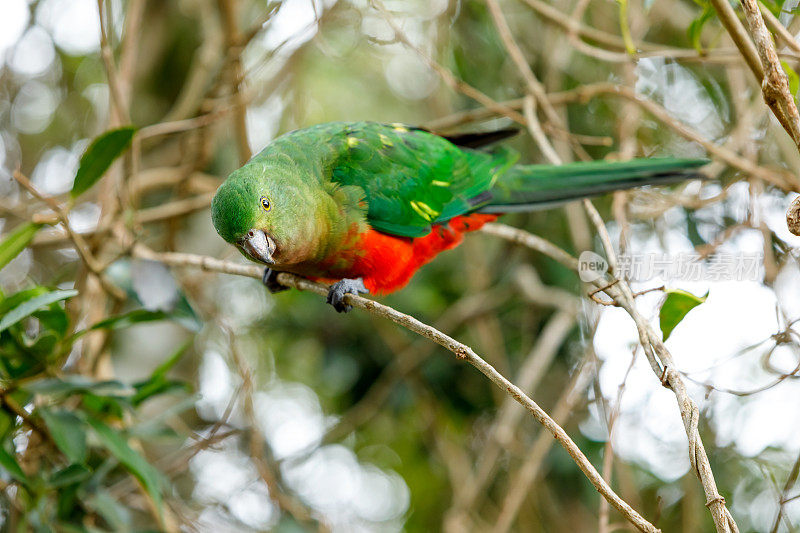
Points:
(198, 401)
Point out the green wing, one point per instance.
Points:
(411, 178)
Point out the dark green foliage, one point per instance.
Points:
(99, 156)
(67, 432)
(86, 446)
(117, 445)
(77, 421)
(16, 241)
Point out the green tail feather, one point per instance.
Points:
(531, 187)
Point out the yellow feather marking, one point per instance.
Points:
(352, 141)
(420, 212)
(438, 183)
(424, 210)
(399, 127)
(385, 140)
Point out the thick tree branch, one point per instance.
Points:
(762, 59)
(737, 32)
(793, 216)
(775, 84)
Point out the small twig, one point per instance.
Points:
(233, 38)
(791, 479)
(407, 361)
(736, 30)
(652, 289)
(608, 449)
(525, 475)
(13, 407)
(536, 131)
(531, 373)
(178, 126)
(269, 473)
(117, 96)
(77, 239)
(594, 298)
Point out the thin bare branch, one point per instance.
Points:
(462, 352)
(657, 355)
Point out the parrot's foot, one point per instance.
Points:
(270, 280)
(340, 288)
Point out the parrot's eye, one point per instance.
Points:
(265, 203)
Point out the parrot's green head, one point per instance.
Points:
(270, 212)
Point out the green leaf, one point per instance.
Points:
(68, 433)
(7, 423)
(74, 383)
(675, 307)
(137, 316)
(104, 406)
(117, 515)
(115, 443)
(775, 6)
(32, 305)
(695, 29)
(54, 319)
(158, 383)
(148, 389)
(155, 426)
(794, 79)
(69, 476)
(125, 320)
(161, 370)
(99, 156)
(10, 465)
(16, 241)
(121, 274)
(18, 297)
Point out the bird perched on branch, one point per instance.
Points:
(362, 205)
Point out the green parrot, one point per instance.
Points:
(363, 205)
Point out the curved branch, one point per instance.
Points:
(657, 355)
(462, 351)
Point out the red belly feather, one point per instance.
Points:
(389, 262)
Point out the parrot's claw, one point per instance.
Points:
(270, 280)
(340, 288)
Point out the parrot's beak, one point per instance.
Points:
(259, 246)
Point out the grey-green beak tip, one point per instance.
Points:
(258, 246)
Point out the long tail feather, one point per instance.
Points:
(531, 187)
